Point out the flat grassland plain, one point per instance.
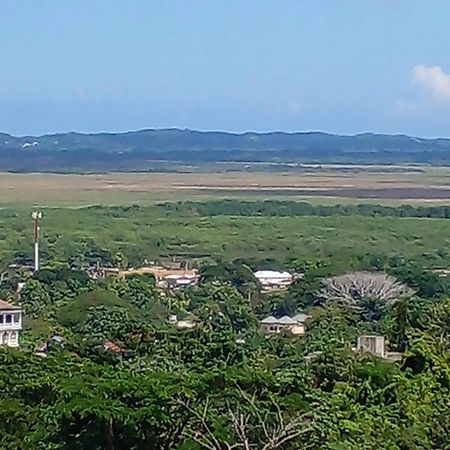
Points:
(328, 185)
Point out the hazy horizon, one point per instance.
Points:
(236, 132)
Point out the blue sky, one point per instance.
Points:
(344, 66)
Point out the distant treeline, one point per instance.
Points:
(292, 208)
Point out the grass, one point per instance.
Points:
(330, 187)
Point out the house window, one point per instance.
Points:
(16, 318)
(8, 318)
(1, 319)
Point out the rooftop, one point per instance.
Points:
(271, 274)
(269, 320)
(160, 272)
(112, 347)
(5, 305)
(286, 320)
(301, 317)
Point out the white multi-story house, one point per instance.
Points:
(10, 324)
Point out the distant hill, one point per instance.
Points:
(139, 150)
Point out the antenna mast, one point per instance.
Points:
(36, 216)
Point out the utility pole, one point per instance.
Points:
(36, 216)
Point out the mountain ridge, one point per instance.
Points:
(138, 150)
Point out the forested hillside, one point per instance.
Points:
(140, 149)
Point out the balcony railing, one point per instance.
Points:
(11, 324)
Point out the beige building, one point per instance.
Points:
(10, 324)
(166, 277)
(295, 325)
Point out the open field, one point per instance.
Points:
(427, 185)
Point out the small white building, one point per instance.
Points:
(178, 281)
(375, 345)
(188, 322)
(10, 324)
(273, 280)
(372, 344)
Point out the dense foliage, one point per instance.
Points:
(221, 383)
(290, 208)
(104, 364)
(229, 231)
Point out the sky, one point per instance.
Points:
(344, 66)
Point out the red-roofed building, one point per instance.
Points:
(110, 346)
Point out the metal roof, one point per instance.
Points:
(269, 320)
(286, 320)
(301, 317)
(271, 274)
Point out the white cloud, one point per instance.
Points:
(434, 81)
